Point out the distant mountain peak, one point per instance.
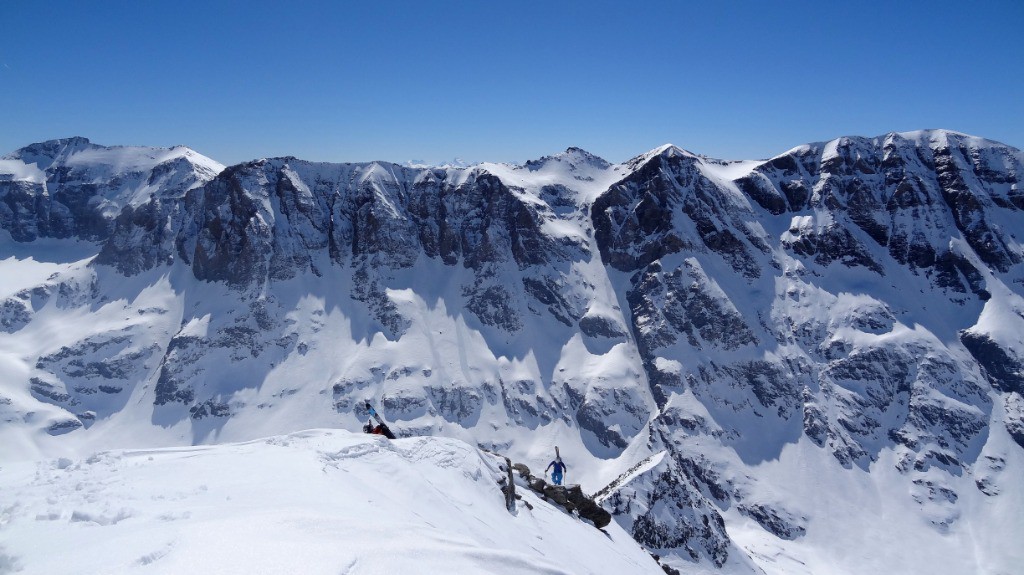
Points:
(82, 152)
(454, 163)
(45, 154)
(666, 151)
(573, 156)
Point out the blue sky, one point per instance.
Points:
(387, 80)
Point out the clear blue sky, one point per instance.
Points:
(480, 80)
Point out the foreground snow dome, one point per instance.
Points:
(319, 501)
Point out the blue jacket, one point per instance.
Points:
(559, 466)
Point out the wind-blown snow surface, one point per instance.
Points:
(318, 501)
(811, 363)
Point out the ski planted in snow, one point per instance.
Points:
(383, 426)
(558, 458)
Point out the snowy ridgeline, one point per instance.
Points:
(803, 365)
(313, 502)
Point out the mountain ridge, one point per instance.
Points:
(853, 304)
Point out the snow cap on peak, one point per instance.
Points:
(456, 163)
(940, 137)
(72, 142)
(663, 151)
(59, 143)
(577, 155)
(82, 153)
(670, 151)
(573, 156)
(929, 134)
(45, 154)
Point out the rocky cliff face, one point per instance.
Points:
(73, 188)
(861, 296)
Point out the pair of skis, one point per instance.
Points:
(383, 426)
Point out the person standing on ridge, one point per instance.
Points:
(559, 468)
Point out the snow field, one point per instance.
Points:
(320, 501)
(866, 521)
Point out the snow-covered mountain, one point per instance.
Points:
(73, 188)
(808, 364)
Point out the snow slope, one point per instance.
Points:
(319, 501)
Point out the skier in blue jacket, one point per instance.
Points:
(556, 475)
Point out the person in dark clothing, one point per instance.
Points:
(559, 469)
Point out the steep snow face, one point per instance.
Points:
(574, 177)
(498, 271)
(702, 335)
(74, 188)
(851, 304)
(470, 299)
(309, 502)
